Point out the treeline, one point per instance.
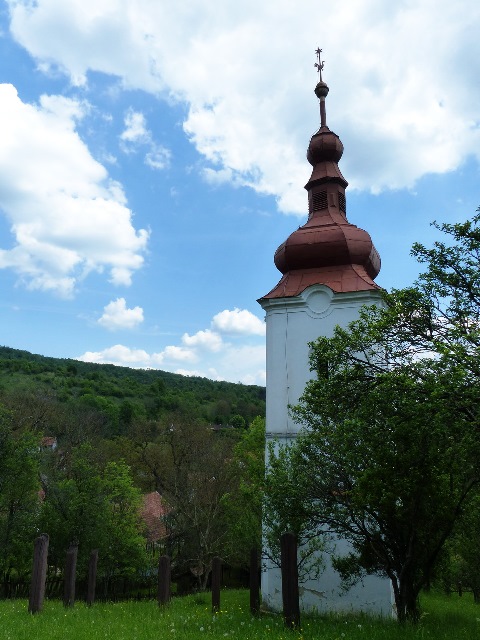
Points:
(82, 446)
(121, 396)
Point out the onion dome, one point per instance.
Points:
(327, 249)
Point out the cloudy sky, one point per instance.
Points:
(152, 158)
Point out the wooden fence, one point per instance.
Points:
(158, 585)
(55, 584)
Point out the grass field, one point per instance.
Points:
(190, 618)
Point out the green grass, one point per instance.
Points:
(190, 618)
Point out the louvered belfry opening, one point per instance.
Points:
(318, 201)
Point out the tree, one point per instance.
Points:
(19, 495)
(441, 313)
(238, 422)
(193, 481)
(286, 509)
(97, 509)
(391, 453)
(123, 552)
(243, 503)
(464, 550)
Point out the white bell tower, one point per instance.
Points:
(328, 268)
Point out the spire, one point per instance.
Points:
(327, 249)
(325, 148)
(321, 90)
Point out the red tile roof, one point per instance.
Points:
(153, 510)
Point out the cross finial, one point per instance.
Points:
(319, 64)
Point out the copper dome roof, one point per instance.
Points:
(327, 249)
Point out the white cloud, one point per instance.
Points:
(136, 134)
(119, 355)
(192, 349)
(217, 177)
(174, 354)
(203, 354)
(158, 157)
(135, 131)
(66, 215)
(404, 88)
(116, 315)
(206, 340)
(238, 321)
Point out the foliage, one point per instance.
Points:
(19, 499)
(286, 508)
(391, 460)
(244, 504)
(391, 455)
(103, 418)
(194, 477)
(441, 313)
(120, 396)
(464, 550)
(96, 509)
(124, 551)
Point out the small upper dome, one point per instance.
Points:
(324, 146)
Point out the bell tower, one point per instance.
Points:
(328, 269)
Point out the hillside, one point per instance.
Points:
(120, 396)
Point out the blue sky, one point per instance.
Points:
(152, 158)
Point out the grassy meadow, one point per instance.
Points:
(190, 618)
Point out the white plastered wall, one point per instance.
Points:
(291, 324)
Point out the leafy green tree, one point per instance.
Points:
(97, 509)
(19, 496)
(286, 508)
(123, 548)
(73, 510)
(194, 479)
(243, 504)
(391, 457)
(390, 461)
(441, 313)
(464, 550)
(238, 422)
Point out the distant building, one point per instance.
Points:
(328, 268)
(49, 442)
(152, 512)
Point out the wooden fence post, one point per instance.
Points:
(216, 579)
(39, 574)
(290, 595)
(254, 583)
(164, 580)
(70, 575)
(92, 576)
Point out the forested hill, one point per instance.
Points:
(120, 396)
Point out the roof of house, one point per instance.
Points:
(152, 512)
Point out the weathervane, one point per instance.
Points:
(319, 64)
